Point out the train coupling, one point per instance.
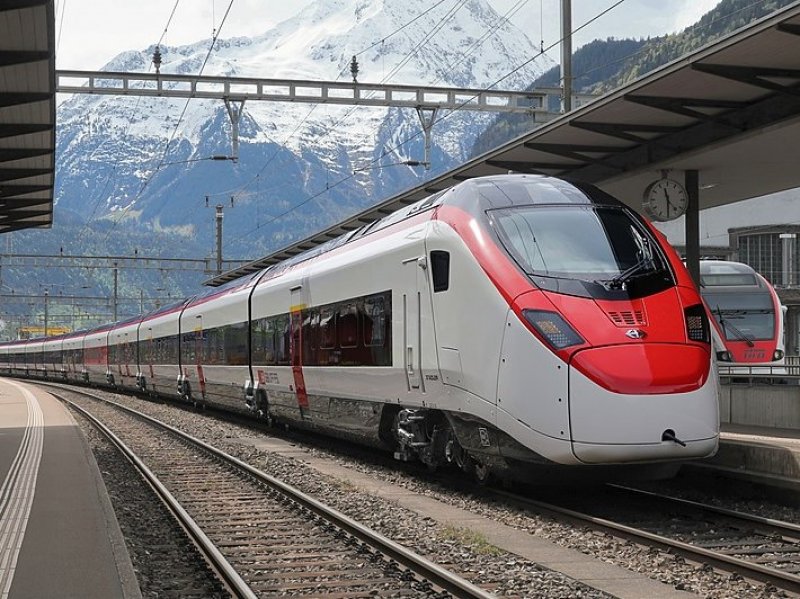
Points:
(669, 435)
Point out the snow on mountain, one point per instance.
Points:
(291, 155)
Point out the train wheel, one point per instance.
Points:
(262, 409)
(455, 454)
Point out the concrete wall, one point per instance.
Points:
(773, 406)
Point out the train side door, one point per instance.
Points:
(297, 304)
(414, 295)
(198, 353)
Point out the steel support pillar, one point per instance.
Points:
(235, 108)
(219, 217)
(566, 55)
(427, 116)
(692, 232)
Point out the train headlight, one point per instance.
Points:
(555, 330)
(697, 324)
(724, 356)
(777, 354)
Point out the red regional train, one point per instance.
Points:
(747, 318)
(505, 323)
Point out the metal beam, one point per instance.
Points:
(305, 91)
(8, 5)
(13, 204)
(768, 111)
(790, 28)
(14, 174)
(625, 130)
(527, 166)
(17, 215)
(12, 190)
(12, 130)
(9, 154)
(757, 76)
(15, 57)
(578, 152)
(683, 105)
(17, 98)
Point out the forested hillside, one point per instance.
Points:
(601, 66)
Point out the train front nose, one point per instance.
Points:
(638, 402)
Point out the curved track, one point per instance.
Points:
(263, 537)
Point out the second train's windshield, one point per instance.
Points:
(743, 315)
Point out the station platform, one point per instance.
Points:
(760, 454)
(58, 533)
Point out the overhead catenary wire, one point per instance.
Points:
(152, 173)
(61, 24)
(438, 120)
(282, 145)
(135, 110)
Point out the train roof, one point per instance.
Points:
(495, 191)
(725, 276)
(724, 266)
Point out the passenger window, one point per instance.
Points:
(347, 322)
(327, 331)
(440, 270)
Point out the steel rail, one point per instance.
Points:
(446, 580)
(223, 569)
(783, 580)
(781, 526)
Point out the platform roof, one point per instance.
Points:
(27, 113)
(730, 110)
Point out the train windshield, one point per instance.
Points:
(743, 316)
(599, 245)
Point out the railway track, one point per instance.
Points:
(751, 546)
(261, 536)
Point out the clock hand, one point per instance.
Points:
(669, 204)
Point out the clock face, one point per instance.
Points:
(664, 200)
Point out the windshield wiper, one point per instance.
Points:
(736, 331)
(619, 281)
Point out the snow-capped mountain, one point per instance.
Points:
(295, 172)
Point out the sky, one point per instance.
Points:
(89, 33)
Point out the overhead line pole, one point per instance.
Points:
(566, 55)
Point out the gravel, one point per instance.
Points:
(164, 560)
(505, 574)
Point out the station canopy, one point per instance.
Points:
(730, 111)
(27, 113)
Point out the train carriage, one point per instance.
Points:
(53, 358)
(34, 358)
(346, 330)
(17, 358)
(5, 360)
(123, 348)
(215, 345)
(72, 352)
(95, 355)
(159, 370)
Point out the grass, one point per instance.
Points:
(475, 540)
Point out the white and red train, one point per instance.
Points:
(506, 322)
(747, 318)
